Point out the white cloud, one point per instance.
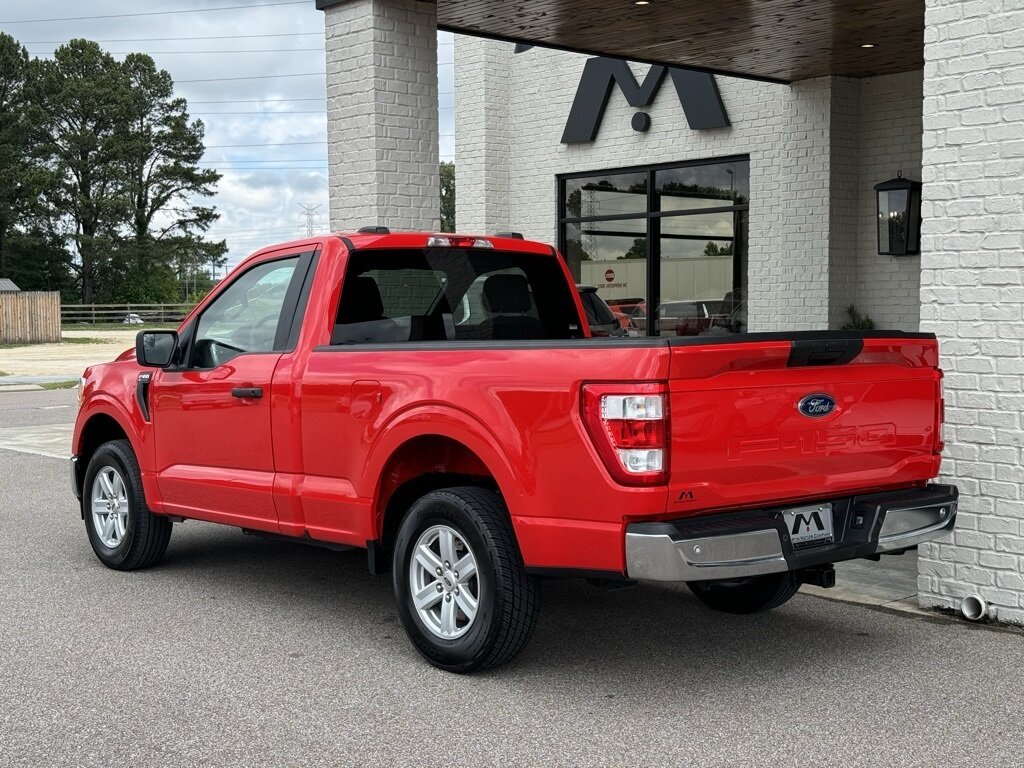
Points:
(259, 196)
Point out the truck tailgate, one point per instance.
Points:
(769, 418)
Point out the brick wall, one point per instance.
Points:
(382, 114)
(972, 291)
(844, 193)
(482, 139)
(888, 288)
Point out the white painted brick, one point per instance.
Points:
(382, 114)
(980, 332)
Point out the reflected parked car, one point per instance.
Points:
(685, 318)
(603, 320)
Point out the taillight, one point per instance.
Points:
(940, 413)
(628, 424)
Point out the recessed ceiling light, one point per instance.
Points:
(868, 45)
(641, 2)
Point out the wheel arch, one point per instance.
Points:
(101, 426)
(427, 462)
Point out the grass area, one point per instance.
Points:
(119, 327)
(4, 373)
(59, 385)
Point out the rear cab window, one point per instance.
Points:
(453, 294)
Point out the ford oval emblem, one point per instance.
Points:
(817, 405)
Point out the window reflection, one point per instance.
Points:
(696, 216)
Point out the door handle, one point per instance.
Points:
(247, 392)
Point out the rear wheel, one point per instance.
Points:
(750, 595)
(464, 596)
(123, 533)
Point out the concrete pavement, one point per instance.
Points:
(239, 651)
(66, 361)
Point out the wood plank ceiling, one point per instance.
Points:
(783, 40)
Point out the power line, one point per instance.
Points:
(237, 50)
(157, 13)
(250, 77)
(268, 114)
(282, 144)
(256, 101)
(166, 39)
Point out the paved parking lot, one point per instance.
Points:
(67, 360)
(238, 651)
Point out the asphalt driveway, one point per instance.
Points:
(240, 651)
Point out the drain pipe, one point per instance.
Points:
(974, 608)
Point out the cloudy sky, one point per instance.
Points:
(265, 129)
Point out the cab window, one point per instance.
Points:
(245, 316)
(453, 294)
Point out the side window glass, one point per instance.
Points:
(244, 318)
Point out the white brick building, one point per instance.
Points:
(828, 113)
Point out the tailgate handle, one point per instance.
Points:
(806, 352)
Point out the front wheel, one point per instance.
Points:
(750, 595)
(464, 596)
(124, 534)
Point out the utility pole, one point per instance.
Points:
(309, 212)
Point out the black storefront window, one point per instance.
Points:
(666, 245)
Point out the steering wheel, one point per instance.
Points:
(254, 331)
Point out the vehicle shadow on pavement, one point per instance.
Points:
(584, 631)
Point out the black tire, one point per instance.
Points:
(751, 595)
(508, 597)
(146, 535)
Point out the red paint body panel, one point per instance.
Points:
(339, 430)
(738, 439)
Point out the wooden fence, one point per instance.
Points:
(30, 317)
(123, 314)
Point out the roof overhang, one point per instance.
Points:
(775, 40)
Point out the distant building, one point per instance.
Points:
(8, 286)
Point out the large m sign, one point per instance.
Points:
(697, 91)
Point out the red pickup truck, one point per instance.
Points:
(438, 401)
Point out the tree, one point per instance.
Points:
(162, 149)
(79, 98)
(17, 190)
(123, 176)
(638, 250)
(447, 197)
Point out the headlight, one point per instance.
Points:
(81, 388)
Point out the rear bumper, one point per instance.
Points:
(753, 543)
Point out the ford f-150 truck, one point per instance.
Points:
(438, 401)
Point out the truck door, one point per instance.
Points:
(211, 414)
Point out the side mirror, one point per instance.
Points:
(155, 349)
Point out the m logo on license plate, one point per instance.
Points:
(809, 525)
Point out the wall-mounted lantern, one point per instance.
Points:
(899, 216)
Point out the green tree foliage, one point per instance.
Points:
(638, 250)
(447, 197)
(114, 170)
(17, 178)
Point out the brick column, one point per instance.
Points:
(972, 292)
(482, 102)
(382, 113)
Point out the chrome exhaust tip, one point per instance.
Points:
(974, 608)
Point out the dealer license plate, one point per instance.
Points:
(809, 525)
